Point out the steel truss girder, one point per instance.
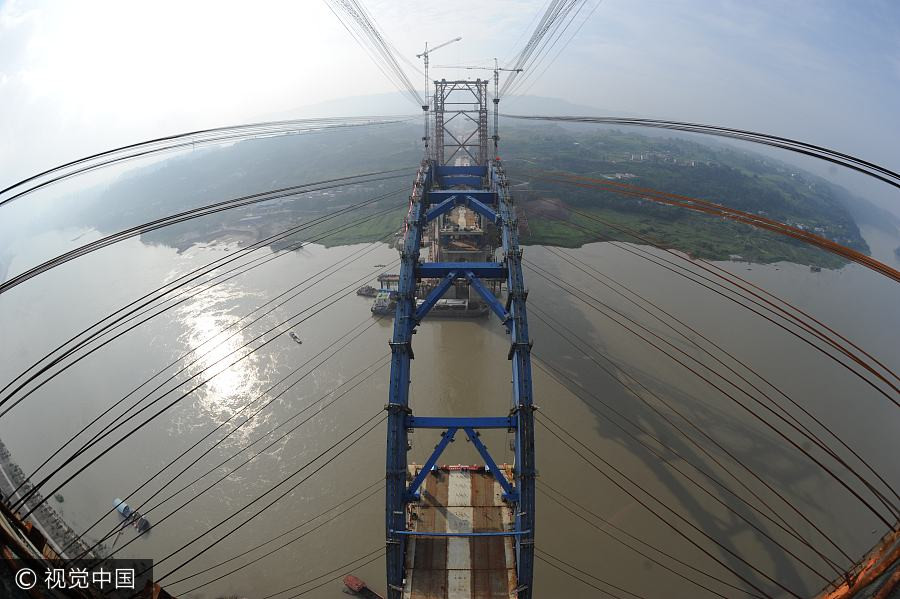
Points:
(520, 491)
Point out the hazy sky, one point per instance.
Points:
(81, 77)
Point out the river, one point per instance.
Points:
(460, 368)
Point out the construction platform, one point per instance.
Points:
(460, 500)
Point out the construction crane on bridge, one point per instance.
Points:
(424, 55)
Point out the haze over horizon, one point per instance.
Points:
(78, 79)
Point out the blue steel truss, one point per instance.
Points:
(438, 189)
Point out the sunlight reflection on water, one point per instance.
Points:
(233, 382)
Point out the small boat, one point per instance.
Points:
(294, 336)
(815, 269)
(360, 588)
(385, 303)
(131, 516)
(367, 291)
(122, 507)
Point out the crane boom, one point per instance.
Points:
(424, 55)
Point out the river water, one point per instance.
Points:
(460, 368)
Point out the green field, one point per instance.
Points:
(700, 236)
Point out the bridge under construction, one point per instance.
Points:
(451, 530)
(460, 532)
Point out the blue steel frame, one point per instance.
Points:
(490, 198)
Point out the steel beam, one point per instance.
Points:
(488, 297)
(484, 270)
(492, 533)
(435, 295)
(523, 405)
(443, 208)
(445, 422)
(412, 494)
(509, 493)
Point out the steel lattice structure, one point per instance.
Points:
(464, 103)
(439, 188)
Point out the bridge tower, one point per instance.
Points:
(488, 548)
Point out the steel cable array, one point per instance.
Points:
(714, 480)
(367, 493)
(541, 418)
(320, 306)
(607, 310)
(543, 555)
(760, 297)
(783, 524)
(753, 294)
(183, 280)
(191, 139)
(553, 24)
(362, 28)
(841, 158)
(532, 72)
(566, 503)
(199, 212)
(221, 464)
(271, 301)
(665, 321)
(350, 335)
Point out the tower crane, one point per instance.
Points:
(497, 68)
(424, 55)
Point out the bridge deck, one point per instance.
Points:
(460, 499)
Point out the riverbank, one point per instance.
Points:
(45, 518)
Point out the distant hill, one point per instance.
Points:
(714, 172)
(717, 173)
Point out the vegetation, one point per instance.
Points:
(741, 180)
(556, 213)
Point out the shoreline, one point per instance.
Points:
(45, 518)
